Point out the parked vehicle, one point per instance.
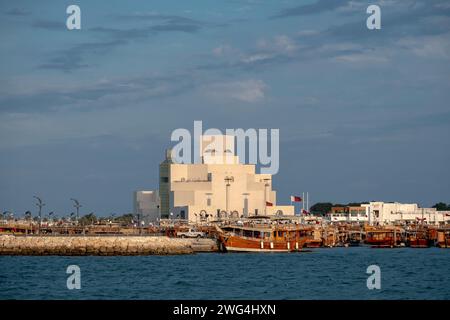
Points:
(191, 233)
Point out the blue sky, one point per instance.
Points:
(363, 115)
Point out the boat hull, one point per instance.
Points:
(418, 243)
(241, 244)
(313, 243)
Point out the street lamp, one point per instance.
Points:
(266, 180)
(39, 204)
(76, 205)
(245, 213)
(139, 221)
(50, 217)
(227, 180)
(92, 217)
(28, 218)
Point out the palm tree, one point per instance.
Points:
(4, 214)
(28, 215)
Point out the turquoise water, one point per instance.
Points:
(338, 273)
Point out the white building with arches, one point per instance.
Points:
(217, 187)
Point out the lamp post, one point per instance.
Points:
(28, 218)
(92, 218)
(70, 222)
(139, 222)
(227, 190)
(77, 206)
(40, 204)
(245, 211)
(138, 213)
(266, 184)
(49, 219)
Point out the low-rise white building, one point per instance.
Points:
(348, 217)
(382, 213)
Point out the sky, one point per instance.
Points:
(87, 114)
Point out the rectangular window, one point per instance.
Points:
(208, 202)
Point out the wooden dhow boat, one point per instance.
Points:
(417, 238)
(262, 237)
(384, 237)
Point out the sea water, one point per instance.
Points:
(336, 273)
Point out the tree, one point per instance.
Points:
(355, 204)
(125, 219)
(87, 219)
(441, 206)
(321, 208)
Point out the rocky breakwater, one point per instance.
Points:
(93, 245)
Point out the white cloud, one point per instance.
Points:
(363, 58)
(280, 44)
(256, 58)
(250, 91)
(426, 47)
(224, 50)
(267, 49)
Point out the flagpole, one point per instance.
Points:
(303, 201)
(307, 201)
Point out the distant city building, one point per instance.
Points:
(147, 205)
(383, 213)
(348, 214)
(218, 187)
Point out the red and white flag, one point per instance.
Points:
(269, 204)
(296, 199)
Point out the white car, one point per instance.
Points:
(191, 233)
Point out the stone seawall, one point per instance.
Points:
(93, 245)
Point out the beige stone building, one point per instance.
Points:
(217, 187)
